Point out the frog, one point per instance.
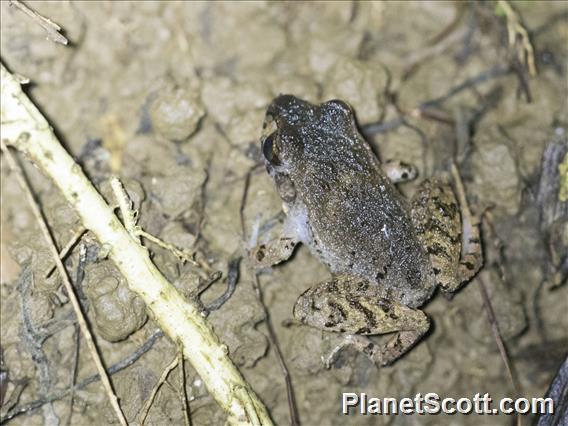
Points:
(387, 254)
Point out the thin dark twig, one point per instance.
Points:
(497, 334)
(19, 387)
(421, 109)
(439, 44)
(33, 338)
(150, 401)
(468, 39)
(384, 127)
(244, 199)
(4, 378)
(183, 395)
(87, 256)
(50, 27)
(293, 410)
(550, 23)
(232, 279)
(520, 72)
(203, 200)
(77, 308)
(463, 140)
(68, 247)
(491, 73)
(204, 284)
(74, 365)
(62, 393)
(79, 276)
(294, 419)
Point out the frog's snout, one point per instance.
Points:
(282, 104)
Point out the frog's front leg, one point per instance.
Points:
(347, 305)
(273, 252)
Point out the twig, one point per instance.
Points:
(201, 217)
(440, 43)
(294, 420)
(204, 284)
(183, 392)
(62, 393)
(163, 377)
(130, 219)
(50, 27)
(515, 28)
(20, 386)
(497, 335)
(85, 258)
(243, 204)
(33, 338)
(524, 87)
(423, 109)
(129, 215)
(65, 250)
(293, 410)
(24, 127)
(182, 255)
(73, 375)
(489, 74)
(79, 275)
(232, 278)
(66, 282)
(4, 378)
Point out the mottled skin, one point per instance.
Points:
(386, 256)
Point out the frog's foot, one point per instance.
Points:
(381, 356)
(347, 305)
(472, 252)
(272, 252)
(398, 171)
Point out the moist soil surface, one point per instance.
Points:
(171, 97)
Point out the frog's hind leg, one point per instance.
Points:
(472, 252)
(436, 219)
(348, 305)
(453, 245)
(381, 356)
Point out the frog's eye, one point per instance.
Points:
(269, 149)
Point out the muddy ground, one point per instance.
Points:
(171, 96)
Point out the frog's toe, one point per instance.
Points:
(273, 252)
(398, 171)
(337, 355)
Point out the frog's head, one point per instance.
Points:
(282, 139)
(297, 135)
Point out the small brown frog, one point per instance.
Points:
(387, 255)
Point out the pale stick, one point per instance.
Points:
(67, 283)
(24, 127)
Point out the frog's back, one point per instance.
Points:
(359, 223)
